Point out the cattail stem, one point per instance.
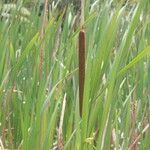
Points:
(81, 68)
(82, 13)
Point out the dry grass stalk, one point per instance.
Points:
(138, 137)
(134, 132)
(45, 17)
(57, 42)
(1, 145)
(113, 138)
(59, 133)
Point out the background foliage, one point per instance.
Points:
(43, 112)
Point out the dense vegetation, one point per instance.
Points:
(39, 87)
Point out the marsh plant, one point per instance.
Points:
(41, 76)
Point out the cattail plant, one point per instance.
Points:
(112, 108)
(81, 58)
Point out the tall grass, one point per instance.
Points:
(44, 112)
